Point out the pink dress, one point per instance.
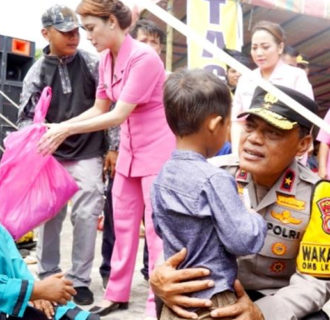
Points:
(146, 142)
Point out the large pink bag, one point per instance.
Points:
(33, 188)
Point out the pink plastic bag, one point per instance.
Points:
(33, 188)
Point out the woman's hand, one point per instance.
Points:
(244, 308)
(45, 306)
(110, 161)
(55, 135)
(170, 285)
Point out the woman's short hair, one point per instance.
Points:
(273, 28)
(104, 8)
(190, 96)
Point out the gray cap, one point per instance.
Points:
(61, 18)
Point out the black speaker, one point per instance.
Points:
(16, 58)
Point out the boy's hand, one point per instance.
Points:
(45, 306)
(54, 288)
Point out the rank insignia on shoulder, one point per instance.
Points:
(277, 266)
(290, 202)
(288, 180)
(279, 248)
(285, 217)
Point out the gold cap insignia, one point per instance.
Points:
(269, 98)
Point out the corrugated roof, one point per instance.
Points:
(310, 35)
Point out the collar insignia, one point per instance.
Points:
(288, 180)
(242, 174)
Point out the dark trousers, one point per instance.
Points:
(108, 238)
(29, 314)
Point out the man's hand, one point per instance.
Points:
(243, 309)
(54, 288)
(110, 161)
(170, 285)
(45, 306)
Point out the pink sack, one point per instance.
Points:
(33, 188)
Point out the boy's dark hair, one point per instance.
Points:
(190, 96)
(148, 27)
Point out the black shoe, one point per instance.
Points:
(103, 311)
(84, 296)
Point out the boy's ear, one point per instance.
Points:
(214, 122)
(304, 144)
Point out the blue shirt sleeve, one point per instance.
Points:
(242, 232)
(16, 281)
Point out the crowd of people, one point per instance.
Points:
(229, 228)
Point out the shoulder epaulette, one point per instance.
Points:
(227, 160)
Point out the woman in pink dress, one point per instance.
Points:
(131, 74)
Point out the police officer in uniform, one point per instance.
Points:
(272, 182)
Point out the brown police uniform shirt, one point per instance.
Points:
(286, 209)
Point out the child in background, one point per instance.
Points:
(18, 287)
(196, 205)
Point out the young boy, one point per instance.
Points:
(195, 204)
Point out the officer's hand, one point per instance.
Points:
(244, 308)
(110, 161)
(170, 285)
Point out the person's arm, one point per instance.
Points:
(172, 286)
(323, 158)
(14, 295)
(241, 231)
(304, 295)
(30, 95)
(16, 281)
(95, 119)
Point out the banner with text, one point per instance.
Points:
(220, 21)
